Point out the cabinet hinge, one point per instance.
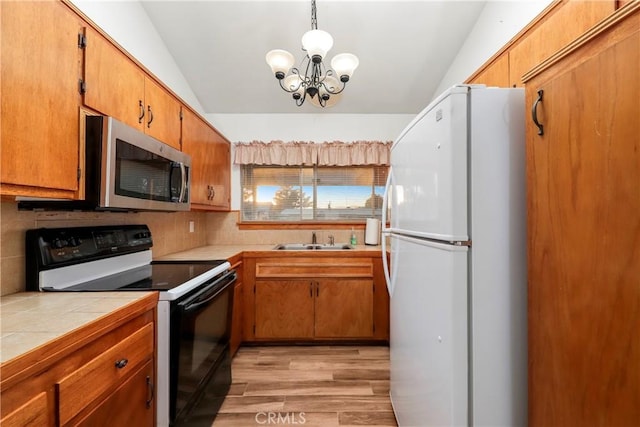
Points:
(82, 87)
(79, 174)
(82, 41)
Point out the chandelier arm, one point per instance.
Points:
(344, 84)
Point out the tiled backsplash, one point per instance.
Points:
(170, 234)
(223, 230)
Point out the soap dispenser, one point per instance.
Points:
(353, 237)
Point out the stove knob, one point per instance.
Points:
(57, 243)
(73, 241)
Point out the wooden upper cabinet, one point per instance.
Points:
(566, 22)
(210, 163)
(162, 114)
(495, 74)
(116, 86)
(41, 66)
(583, 199)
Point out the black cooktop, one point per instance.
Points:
(157, 276)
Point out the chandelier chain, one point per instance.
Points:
(314, 19)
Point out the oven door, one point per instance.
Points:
(200, 373)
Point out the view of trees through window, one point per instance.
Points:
(295, 193)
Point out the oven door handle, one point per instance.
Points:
(194, 303)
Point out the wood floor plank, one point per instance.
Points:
(258, 374)
(362, 418)
(252, 404)
(306, 419)
(337, 403)
(330, 364)
(361, 374)
(314, 388)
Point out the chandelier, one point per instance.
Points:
(321, 84)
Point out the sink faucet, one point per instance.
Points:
(331, 240)
(314, 240)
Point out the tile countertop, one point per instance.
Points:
(29, 320)
(228, 251)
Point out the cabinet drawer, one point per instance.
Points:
(101, 374)
(33, 413)
(314, 270)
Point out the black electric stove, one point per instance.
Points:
(109, 258)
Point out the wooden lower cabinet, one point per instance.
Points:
(344, 308)
(315, 299)
(308, 308)
(284, 309)
(100, 375)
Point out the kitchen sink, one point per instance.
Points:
(312, 247)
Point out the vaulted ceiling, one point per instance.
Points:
(404, 48)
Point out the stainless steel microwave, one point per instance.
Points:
(127, 170)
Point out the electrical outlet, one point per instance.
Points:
(192, 226)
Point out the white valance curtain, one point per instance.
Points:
(299, 153)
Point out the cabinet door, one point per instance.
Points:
(284, 309)
(162, 114)
(344, 308)
(210, 163)
(569, 21)
(114, 83)
(132, 404)
(41, 66)
(583, 191)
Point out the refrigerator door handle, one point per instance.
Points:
(385, 232)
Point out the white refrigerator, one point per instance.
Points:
(457, 270)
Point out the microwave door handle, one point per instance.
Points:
(183, 187)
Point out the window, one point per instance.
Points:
(311, 193)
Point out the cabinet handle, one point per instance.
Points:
(141, 116)
(317, 289)
(151, 392)
(534, 113)
(213, 193)
(150, 116)
(311, 289)
(121, 363)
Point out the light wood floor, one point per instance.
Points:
(320, 386)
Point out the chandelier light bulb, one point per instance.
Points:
(280, 62)
(317, 43)
(344, 65)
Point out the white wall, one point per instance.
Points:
(128, 24)
(498, 23)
